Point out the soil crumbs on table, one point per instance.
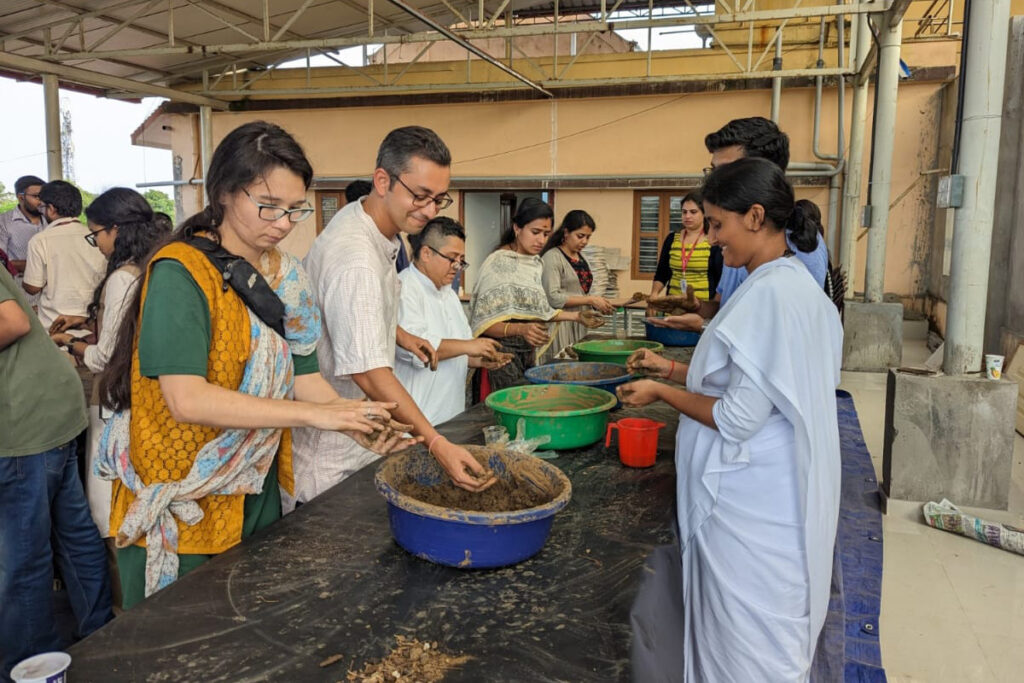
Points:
(502, 496)
(410, 660)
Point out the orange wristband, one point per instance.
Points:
(672, 369)
(430, 448)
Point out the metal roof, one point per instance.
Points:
(127, 48)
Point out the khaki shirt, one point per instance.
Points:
(67, 268)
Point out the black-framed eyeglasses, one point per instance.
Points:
(30, 194)
(269, 212)
(441, 201)
(457, 264)
(91, 237)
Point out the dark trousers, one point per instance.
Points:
(44, 518)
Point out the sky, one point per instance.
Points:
(101, 132)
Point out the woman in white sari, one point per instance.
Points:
(757, 449)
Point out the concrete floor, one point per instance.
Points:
(952, 608)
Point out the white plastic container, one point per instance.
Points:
(993, 366)
(48, 667)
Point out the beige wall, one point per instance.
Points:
(615, 137)
(612, 211)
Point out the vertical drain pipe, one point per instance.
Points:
(983, 82)
(205, 146)
(833, 185)
(51, 118)
(855, 160)
(777, 81)
(890, 36)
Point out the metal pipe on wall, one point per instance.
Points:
(833, 187)
(890, 35)
(171, 183)
(855, 160)
(818, 82)
(983, 81)
(777, 82)
(51, 116)
(205, 138)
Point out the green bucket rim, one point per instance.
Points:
(608, 404)
(588, 347)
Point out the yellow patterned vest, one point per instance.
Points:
(163, 449)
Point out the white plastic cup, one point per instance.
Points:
(495, 434)
(994, 366)
(48, 667)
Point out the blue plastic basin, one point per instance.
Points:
(607, 376)
(464, 538)
(670, 337)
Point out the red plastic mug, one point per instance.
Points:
(638, 440)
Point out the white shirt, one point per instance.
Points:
(434, 314)
(117, 294)
(351, 266)
(67, 268)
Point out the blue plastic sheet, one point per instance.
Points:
(848, 649)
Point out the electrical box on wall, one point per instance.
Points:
(951, 192)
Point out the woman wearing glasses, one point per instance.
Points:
(122, 226)
(567, 276)
(214, 363)
(430, 308)
(509, 302)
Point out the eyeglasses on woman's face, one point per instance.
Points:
(91, 237)
(269, 212)
(457, 264)
(441, 201)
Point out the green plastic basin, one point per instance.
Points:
(613, 350)
(572, 415)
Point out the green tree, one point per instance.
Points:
(87, 198)
(7, 199)
(160, 202)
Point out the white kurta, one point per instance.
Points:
(351, 266)
(758, 498)
(117, 295)
(434, 314)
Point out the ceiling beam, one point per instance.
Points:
(470, 46)
(506, 32)
(84, 77)
(896, 11)
(97, 14)
(554, 85)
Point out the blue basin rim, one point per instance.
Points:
(404, 502)
(540, 374)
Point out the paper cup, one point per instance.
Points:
(993, 366)
(48, 667)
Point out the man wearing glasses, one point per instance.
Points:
(431, 309)
(352, 268)
(61, 266)
(18, 225)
